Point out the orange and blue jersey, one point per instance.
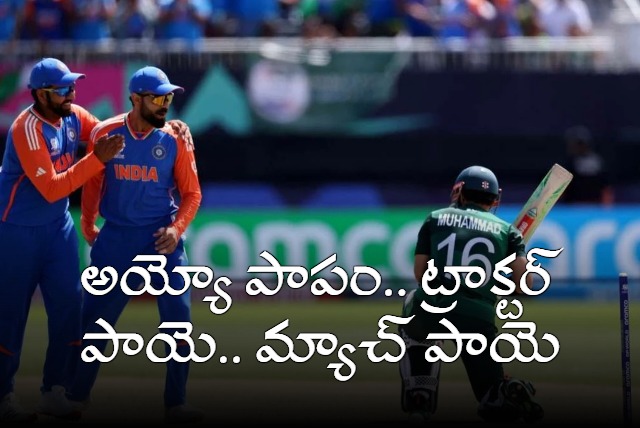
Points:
(136, 194)
(39, 168)
(40, 244)
(153, 177)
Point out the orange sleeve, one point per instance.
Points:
(35, 160)
(87, 122)
(90, 202)
(186, 177)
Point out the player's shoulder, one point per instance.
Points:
(22, 118)
(437, 212)
(182, 137)
(26, 123)
(450, 209)
(108, 125)
(498, 219)
(504, 225)
(117, 120)
(507, 227)
(168, 129)
(78, 109)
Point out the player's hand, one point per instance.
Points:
(107, 147)
(90, 233)
(167, 240)
(182, 129)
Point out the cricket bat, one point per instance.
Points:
(542, 200)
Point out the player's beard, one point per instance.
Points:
(58, 109)
(151, 118)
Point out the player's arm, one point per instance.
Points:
(420, 265)
(519, 265)
(422, 251)
(92, 190)
(90, 203)
(87, 122)
(34, 157)
(186, 177)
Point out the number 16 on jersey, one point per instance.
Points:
(542, 200)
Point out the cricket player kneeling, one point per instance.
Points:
(420, 378)
(467, 233)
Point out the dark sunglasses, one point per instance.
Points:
(159, 100)
(61, 91)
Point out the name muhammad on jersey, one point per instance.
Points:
(469, 222)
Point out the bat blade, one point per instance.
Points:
(543, 198)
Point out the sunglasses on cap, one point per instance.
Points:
(159, 100)
(62, 91)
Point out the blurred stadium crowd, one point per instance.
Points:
(191, 20)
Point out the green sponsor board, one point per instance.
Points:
(322, 91)
(231, 242)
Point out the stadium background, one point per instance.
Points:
(307, 148)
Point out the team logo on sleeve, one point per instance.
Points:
(159, 152)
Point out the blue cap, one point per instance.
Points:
(52, 72)
(152, 80)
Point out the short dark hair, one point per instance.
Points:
(478, 197)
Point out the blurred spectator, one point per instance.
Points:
(91, 18)
(134, 19)
(11, 16)
(350, 18)
(183, 20)
(420, 17)
(563, 18)
(492, 19)
(220, 24)
(315, 27)
(291, 18)
(321, 8)
(318, 18)
(591, 181)
(383, 17)
(255, 18)
(527, 14)
(506, 22)
(191, 20)
(457, 19)
(46, 19)
(483, 16)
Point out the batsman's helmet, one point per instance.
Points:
(479, 184)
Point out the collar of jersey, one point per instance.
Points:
(135, 134)
(471, 205)
(36, 114)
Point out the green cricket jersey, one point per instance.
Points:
(467, 236)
